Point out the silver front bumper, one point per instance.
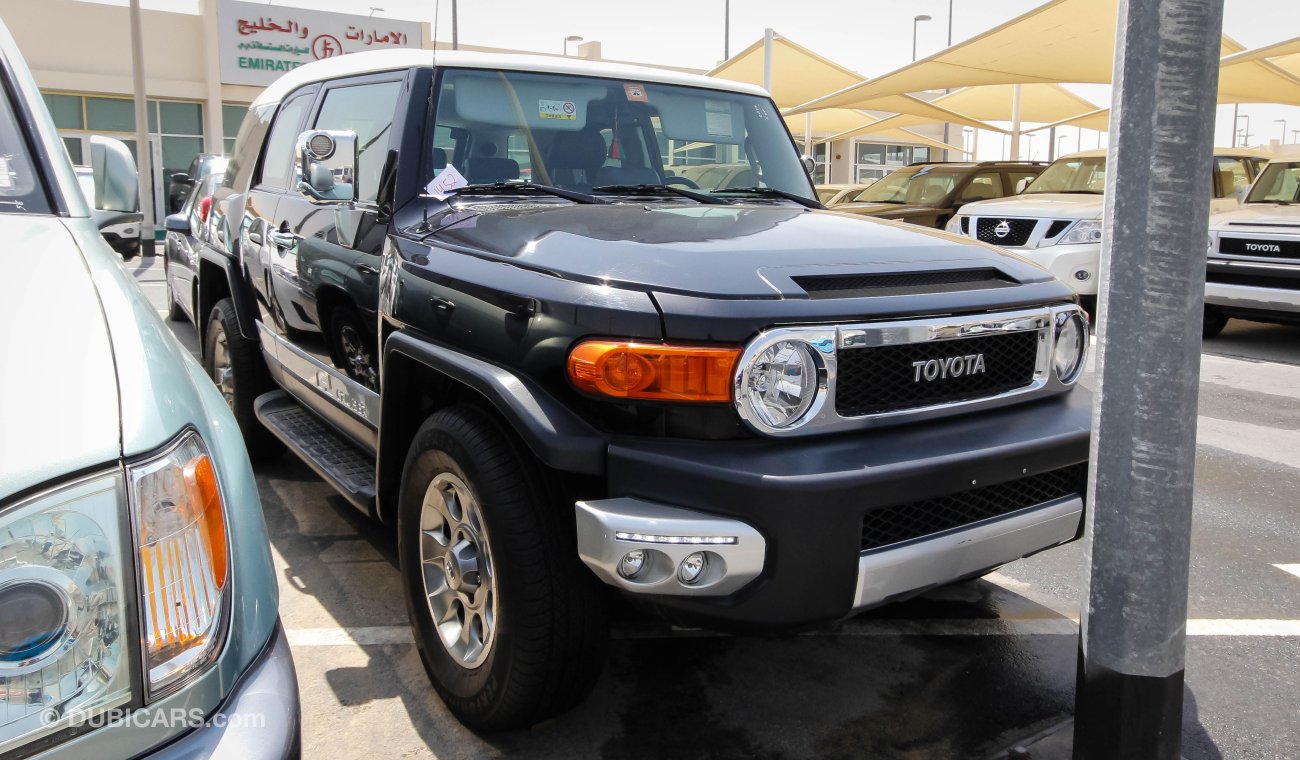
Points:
(1245, 297)
(902, 570)
(610, 528)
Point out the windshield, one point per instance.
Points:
(919, 184)
(580, 133)
(1072, 175)
(20, 187)
(1280, 183)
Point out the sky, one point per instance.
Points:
(871, 37)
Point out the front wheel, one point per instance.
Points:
(1214, 323)
(354, 346)
(235, 364)
(510, 626)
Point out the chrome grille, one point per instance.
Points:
(1015, 233)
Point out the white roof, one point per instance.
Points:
(1233, 152)
(391, 60)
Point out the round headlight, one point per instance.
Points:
(33, 618)
(780, 383)
(1071, 343)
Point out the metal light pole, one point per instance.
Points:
(455, 27)
(143, 153)
(946, 125)
(570, 38)
(1283, 123)
(726, 30)
(1245, 133)
(915, 21)
(1143, 452)
(373, 9)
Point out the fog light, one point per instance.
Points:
(632, 563)
(692, 568)
(1082, 275)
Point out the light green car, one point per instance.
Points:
(138, 603)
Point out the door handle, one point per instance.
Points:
(283, 239)
(365, 269)
(255, 238)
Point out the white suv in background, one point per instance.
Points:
(1253, 270)
(1056, 220)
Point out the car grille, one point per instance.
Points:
(1284, 282)
(915, 519)
(1273, 249)
(1058, 226)
(1017, 234)
(901, 283)
(883, 379)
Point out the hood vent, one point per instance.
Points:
(901, 283)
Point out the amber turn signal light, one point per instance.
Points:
(654, 371)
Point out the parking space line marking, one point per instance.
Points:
(1259, 441)
(401, 635)
(1292, 569)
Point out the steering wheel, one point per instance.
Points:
(681, 181)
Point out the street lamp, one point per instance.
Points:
(570, 38)
(1245, 133)
(1295, 136)
(915, 21)
(1059, 140)
(1283, 123)
(965, 138)
(373, 9)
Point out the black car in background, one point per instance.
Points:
(186, 229)
(180, 184)
(929, 194)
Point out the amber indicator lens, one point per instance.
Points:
(654, 371)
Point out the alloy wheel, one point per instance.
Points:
(457, 571)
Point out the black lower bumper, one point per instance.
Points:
(809, 498)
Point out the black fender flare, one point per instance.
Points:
(557, 436)
(240, 293)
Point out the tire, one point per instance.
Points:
(542, 627)
(1214, 323)
(235, 364)
(353, 346)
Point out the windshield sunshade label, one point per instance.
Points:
(564, 110)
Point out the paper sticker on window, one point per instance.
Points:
(718, 123)
(635, 93)
(564, 110)
(447, 181)
(6, 176)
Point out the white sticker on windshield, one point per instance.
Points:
(565, 110)
(6, 177)
(718, 123)
(447, 181)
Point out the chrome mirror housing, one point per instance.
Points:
(326, 162)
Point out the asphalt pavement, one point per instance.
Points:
(963, 672)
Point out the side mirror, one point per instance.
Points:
(327, 165)
(181, 178)
(1021, 185)
(177, 223)
(809, 164)
(1240, 192)
(116, 181)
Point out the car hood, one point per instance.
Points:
(1039, 206)
(884, 210)
(1270, 214)
(720, 251)
(59, 408)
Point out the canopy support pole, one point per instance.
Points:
(808, 135)
(143, 151)
(1132, 647)
(1015, 123)
(767, 59)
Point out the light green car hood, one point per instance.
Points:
(59, 408)
(92, 375)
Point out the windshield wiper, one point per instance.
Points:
(773, 192)
(1073, 192)
(660, 190)
(517, 186)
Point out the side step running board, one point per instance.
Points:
(340, 462)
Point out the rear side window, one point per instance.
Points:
(982, 187)
(21, 190)
(367, 110)
(277, 161)
(1014, 177)
(1231, 172)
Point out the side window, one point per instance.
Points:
(367, 110)
(1231, 172)
(1014, 179)
(982, 187)
(193, 207)
(277, 161)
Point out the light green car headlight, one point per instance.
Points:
(63, 624)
